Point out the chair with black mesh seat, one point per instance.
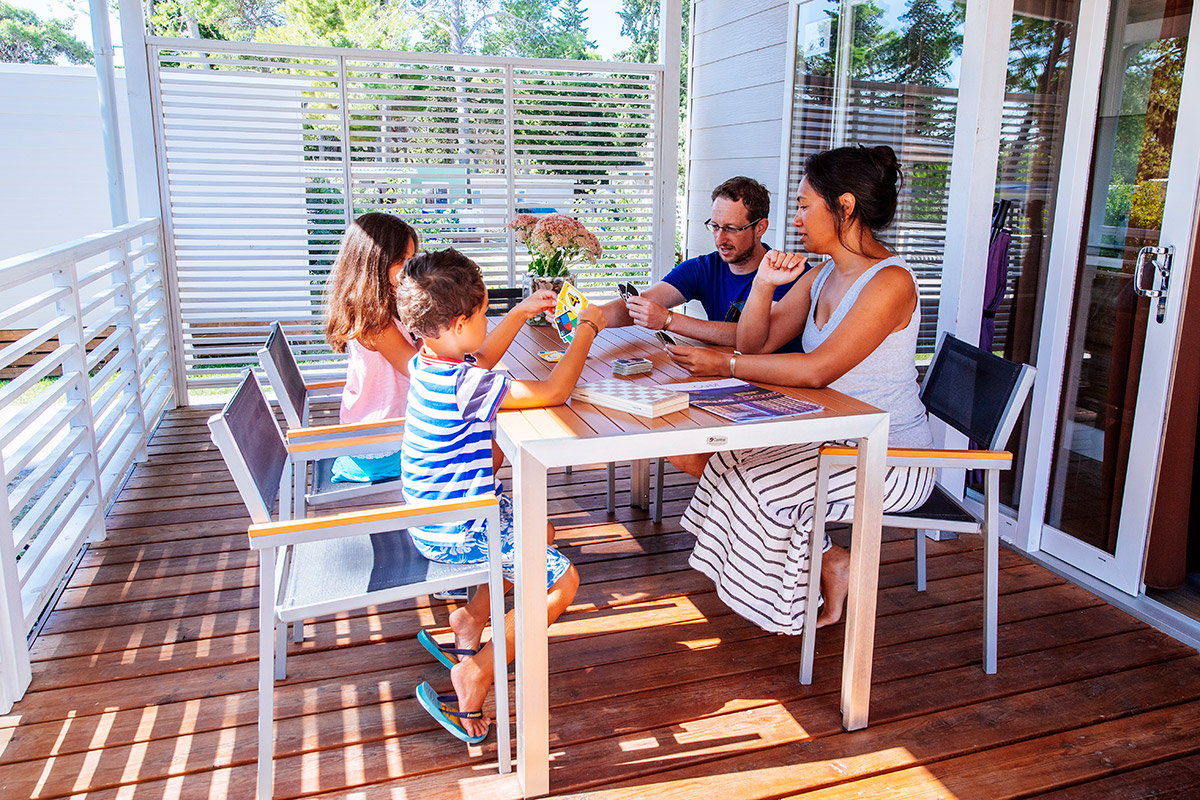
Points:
(325, 565)
(981, 396)
(320, 445)
(503, 299)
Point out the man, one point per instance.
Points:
(720, 280)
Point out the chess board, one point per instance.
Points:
(642, 399)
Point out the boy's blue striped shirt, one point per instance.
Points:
(447, 449)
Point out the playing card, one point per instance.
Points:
(551, 356)
(567, 310)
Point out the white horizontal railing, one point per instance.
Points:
(85, 373)
(267, 152)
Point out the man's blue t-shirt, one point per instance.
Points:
(722, 293)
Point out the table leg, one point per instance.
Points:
(864, 578)
(532, 660)
(639, 483)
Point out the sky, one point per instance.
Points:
(604, 26)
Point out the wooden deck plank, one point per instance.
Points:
(145, 674)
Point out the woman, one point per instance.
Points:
(858, 314)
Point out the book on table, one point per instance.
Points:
(642, 399)
(738, 401)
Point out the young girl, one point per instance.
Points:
(448, 454)
(361, 318)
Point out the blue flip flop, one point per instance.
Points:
(448, 656)
(444, 709)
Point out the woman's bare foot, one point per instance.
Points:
(467, 627)
(835, 583)
(471, 684)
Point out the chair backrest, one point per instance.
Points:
(975, 392)
(502, 300)
(249, 439)
(283, 373)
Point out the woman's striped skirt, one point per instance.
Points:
(752, 515)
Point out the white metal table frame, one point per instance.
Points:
(536, 440)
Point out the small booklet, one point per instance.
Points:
(642, 399)
(738, 401)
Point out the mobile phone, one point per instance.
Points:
(664, 337)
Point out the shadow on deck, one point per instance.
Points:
(144, 676)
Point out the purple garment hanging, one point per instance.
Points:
(994, 286)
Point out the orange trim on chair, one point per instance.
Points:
(371, 515)
(325, 384)
(349, 427)
(896, 452)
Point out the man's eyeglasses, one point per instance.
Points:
(715, 228)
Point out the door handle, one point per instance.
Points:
(1152, 275)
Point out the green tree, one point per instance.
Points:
(344, 23)
(25, 39)
(236, 20)
(930, 38)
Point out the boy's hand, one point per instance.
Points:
(778, 267)
(542, 300)
(700, 361)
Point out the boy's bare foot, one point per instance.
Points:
(471, 685)
(835, 583)
(468, 629)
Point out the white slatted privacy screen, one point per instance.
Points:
(85, 373)
(918, 123)
(268, 151)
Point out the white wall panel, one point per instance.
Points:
(738, 62)
(55, 187)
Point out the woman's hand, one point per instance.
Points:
(539, 301)
(700, 361)
(646, 313)
(778, 267)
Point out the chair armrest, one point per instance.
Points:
(335, 384)
(370, 520)
(926, 457)
(316, 432)
(340, 445)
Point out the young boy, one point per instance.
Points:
(448, 451)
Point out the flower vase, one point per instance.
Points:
(535, 283)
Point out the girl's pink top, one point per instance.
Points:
(374, 388)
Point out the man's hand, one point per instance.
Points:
(778, 267)
(646, 313)
(700, 361)
(541, 300)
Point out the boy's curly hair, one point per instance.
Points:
(437, 287)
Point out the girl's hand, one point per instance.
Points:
(594, 314)
(541, 300)
(700, 361)
(778, 267)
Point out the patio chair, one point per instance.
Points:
(980, 395)
(325, 565)
(320, 445)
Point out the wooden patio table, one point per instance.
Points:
(580, 433)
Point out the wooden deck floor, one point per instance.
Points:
(144, 676)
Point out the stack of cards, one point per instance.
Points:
(632, 366)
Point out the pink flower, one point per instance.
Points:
(555, 242)
(522, 226)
